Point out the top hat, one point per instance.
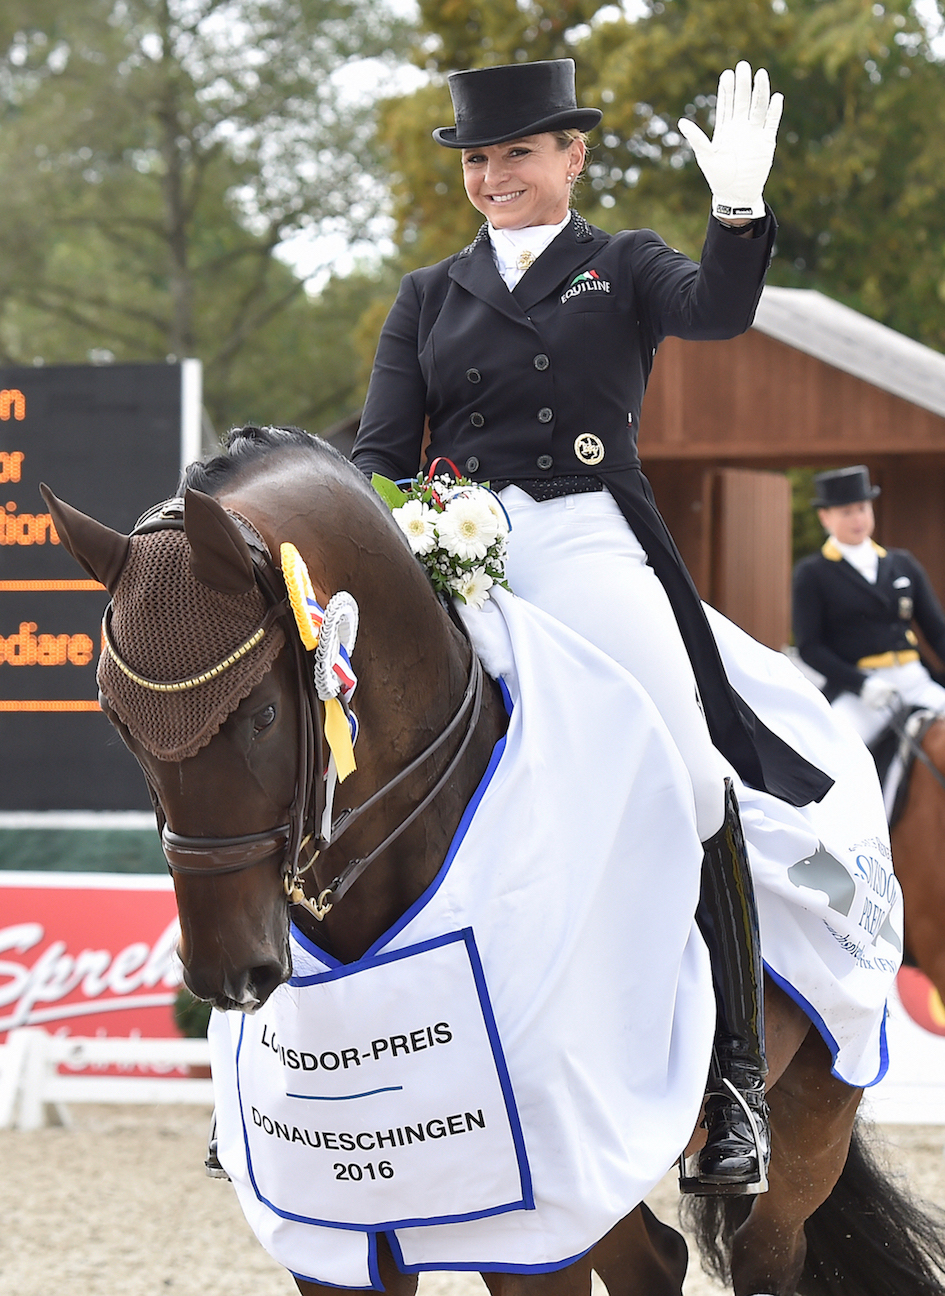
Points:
(843, 486)
(495, 104)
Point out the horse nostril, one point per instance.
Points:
(266, 978)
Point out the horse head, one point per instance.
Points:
(195, 677)
(205, 677)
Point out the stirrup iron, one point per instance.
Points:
(692, 1185)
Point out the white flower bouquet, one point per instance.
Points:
(456, 528)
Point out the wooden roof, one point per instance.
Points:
(812, 382)
(854, 343)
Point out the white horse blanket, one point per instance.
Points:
(829, 903)
(517, 1062)
(468, 1088)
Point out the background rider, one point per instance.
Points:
(854, 604)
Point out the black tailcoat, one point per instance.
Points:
(549, 380)
(840, 617)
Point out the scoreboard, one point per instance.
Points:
(110, 440)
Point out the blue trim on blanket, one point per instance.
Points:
(477, 1266)
(527, 1199)
(374, 1270)
(793, 993)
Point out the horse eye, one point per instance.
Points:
(264, 718)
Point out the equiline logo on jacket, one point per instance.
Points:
(587, 281)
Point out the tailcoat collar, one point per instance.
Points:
(879, 590)
(475, 270)
(830, 549)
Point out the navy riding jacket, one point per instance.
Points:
(548, 380)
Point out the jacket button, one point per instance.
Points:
(472, 464)
(476, 419)
(545, 415)
(474, 375)
(541, 361)
(544, 461)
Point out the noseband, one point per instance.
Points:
(217, 856)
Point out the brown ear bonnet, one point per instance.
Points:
(191, 631)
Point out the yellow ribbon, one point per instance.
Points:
(338, 737)
(308, 616)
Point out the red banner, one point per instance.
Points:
(88, 954)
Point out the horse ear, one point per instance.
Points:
(219, 556)
(96, 547)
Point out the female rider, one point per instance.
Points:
(524, 359)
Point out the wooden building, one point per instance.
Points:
(812, 384)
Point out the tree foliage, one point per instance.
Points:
(156, 154)
(859, 146)
(857, 177)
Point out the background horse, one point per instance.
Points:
(918, 845)
(237, 810)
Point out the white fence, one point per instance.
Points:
(34, 1093)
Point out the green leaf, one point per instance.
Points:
(389, 491)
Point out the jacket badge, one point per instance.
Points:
(587, 281)
(589, 448)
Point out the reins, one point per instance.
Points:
(218, 856)
(471, 704)
(905, 737)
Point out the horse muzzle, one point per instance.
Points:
(242, 992)
(234, 925)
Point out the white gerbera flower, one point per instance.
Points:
(473, 586)
(416, 520)
(501, 518)
(467, 528)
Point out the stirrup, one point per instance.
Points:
(691, 1184)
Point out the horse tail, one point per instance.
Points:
(712, 1222)
(869, 1238)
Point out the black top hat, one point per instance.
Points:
(843, 486)
(495, 104)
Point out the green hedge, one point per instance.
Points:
(92, 850)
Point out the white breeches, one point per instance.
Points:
(577, 559)
(915, 687)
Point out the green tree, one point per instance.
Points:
(157, 154)
(857, 177)
(860, 146)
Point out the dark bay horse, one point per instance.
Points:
(242, 814)
(918, 845)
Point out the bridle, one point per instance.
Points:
(911, 733)
(468, 711)
(217, 856)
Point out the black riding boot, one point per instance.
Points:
(737, 1148)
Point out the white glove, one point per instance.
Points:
(878, 693)
(737, 159)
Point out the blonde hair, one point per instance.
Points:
(565, 138)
